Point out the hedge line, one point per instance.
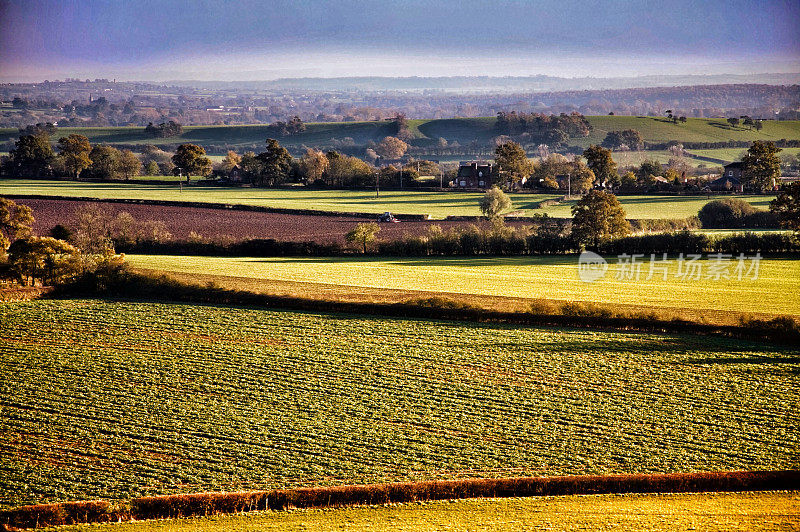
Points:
(690, 145)
(569, 314)
(473, 241)
(203, 504)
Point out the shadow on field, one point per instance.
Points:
(745, 360)
(431, 262)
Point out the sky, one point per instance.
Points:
(261, 40)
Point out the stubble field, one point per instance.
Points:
(540, 277)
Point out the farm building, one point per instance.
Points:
(727, 183)
(734, 170)
(474, 174)
(237, 175)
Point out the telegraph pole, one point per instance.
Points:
(569, 186)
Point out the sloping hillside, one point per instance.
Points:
(426, 132)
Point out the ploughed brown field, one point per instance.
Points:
(228, 224)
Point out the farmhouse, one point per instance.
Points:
(474, 174)
(727, 184)
(734, 170)
(237, 175)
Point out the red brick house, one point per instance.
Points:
(474, 174)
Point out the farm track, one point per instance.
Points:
(116, 400)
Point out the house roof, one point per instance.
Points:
(737, 164)
(474, 169)
(721, 181)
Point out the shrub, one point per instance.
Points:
(734, 213)
(61, 232)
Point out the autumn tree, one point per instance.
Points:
(494, 202)
(31, 156)
(581, 177)
(787, 206)
(598, 217)
(45, 259)
(628, 179)
(313, 164)
(74, 151)
(154, 154)
(129, 164)
(363, 234)
(93, 227)
(250, 164)
(15, 222)
(391, 148)
(190, 159)
(152, 168)
(229, 162)
(645, 174)
(275, 164)
(512, 161)
(761, 166)
(344, 170)
(629, 137)
(105, 162)
(599, 160)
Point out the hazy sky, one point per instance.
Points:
(246, 40)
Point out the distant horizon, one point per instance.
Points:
(250, 40)
(84, 79)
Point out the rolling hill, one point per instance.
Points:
(461, 130)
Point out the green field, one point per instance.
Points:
(436, 204)
(463, 130)
(527, 277)
(735, 154)
(723, 512)
(636, 158)
(113, 400)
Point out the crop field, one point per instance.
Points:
(228, 225)
(463, 130)
(723, 512)
(112, 400)
(436, 204)
(523, 277)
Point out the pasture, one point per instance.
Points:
(113, 400)
(735, 154)
(710, 512)
(462, 130)
(554, 278)
(436, 204)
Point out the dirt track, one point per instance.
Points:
(231, 224)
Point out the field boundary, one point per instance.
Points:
(139, 287)
(214, 503)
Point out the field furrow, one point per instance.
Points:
(104, 399)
